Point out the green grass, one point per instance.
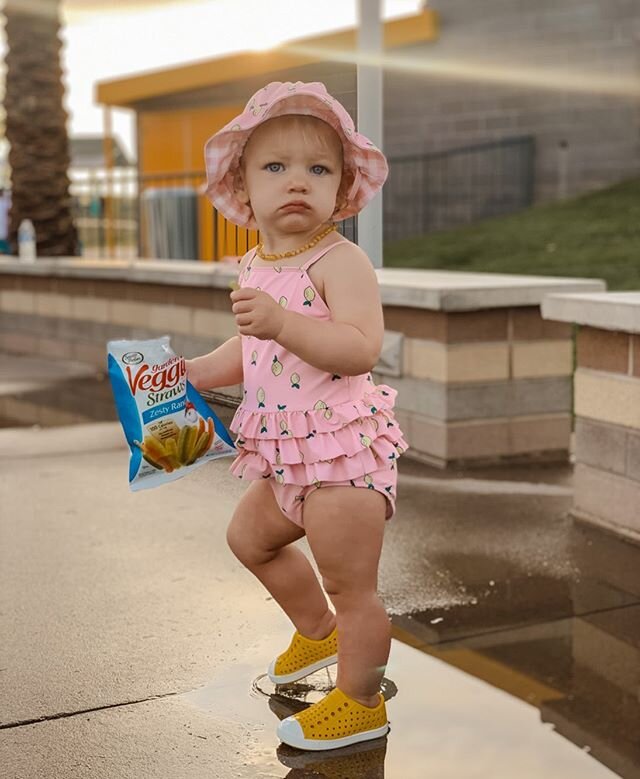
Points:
(595, 235)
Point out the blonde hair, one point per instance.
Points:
(313, 131)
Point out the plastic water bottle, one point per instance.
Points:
(27, 241)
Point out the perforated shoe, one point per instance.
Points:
(303, 657)
(335, 721)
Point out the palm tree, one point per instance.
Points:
(36, 126)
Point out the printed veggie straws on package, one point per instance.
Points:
(169, 427)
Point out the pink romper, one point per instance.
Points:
(302, 427)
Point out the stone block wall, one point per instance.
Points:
(607, 406)
(475, 387)
(482, 386)
(560, 71)
(72, 319)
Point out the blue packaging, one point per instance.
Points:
(169, 427)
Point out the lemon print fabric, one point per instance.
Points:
(320, 406)
(309, 296)
(295, 381)
(254, 357)
(365, 440)
(261, 397)
(283, 301)
(284, 430)
(276, 366)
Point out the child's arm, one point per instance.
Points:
(350, 343)
(223, 366)
(220, 368)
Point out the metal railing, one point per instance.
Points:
(166, 215)
(443, 190)
(158, 215)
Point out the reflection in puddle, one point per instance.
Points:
(569, 648)
(265, 704)
(533, 676)
(361, 761)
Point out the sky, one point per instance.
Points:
(106, 40)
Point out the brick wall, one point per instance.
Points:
(474, 387)
(607, 405)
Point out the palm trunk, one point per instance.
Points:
(36, 127)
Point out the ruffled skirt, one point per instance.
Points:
(338, 443)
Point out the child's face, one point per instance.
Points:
(288, 159)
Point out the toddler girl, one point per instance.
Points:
(316, 437)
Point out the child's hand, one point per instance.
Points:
(257, 313)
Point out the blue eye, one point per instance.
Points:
(272, 165)
(322, 168)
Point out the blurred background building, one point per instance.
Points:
(488, 108)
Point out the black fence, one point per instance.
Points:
(167, 216)
(459, 186)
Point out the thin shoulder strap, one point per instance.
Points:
(319, 255)
(246, 259)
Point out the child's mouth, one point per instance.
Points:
(295, 207)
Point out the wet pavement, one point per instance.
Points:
(134, 645)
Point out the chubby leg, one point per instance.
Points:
(260, 536)
(345, 527)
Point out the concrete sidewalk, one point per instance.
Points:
(116, 604)
(135, 645)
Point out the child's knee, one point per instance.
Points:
(347, 595)
(244, 546)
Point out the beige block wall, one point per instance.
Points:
(505, 346)
(459, 362)
(607, 407)
(607, 499)
(608, 397)
(486, 440)
(17, 301)
(492, 361)
(542, 358)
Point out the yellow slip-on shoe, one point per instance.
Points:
(335, 721)
(303, 657)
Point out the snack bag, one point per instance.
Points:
(169, 427)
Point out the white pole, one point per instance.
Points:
(369, 85)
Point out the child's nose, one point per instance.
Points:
(298, 182)
(298, 186)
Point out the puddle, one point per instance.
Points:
(563, 649)
(258, 705)
(446, 721)
(536, 674)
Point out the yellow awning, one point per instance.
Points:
(125, 92)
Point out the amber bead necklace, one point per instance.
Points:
(294, 252)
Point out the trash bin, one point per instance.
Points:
(170, 218)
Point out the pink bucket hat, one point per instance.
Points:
(223, 150)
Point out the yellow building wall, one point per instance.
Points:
(171, 143)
